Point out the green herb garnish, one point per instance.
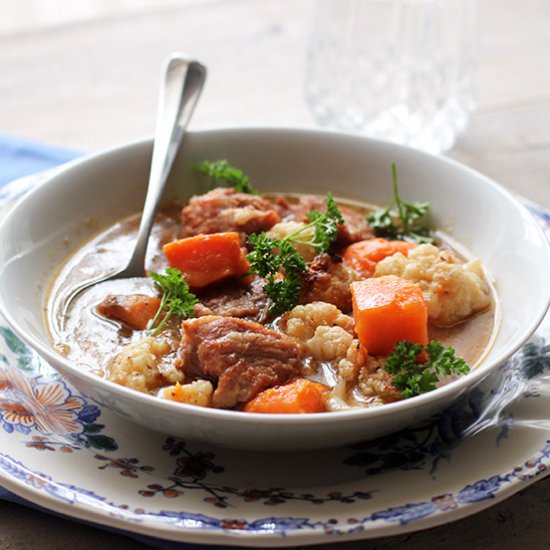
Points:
(325, 225)
(176, 299)
(408, 222)
(414, 378)
(267, 259)
(221, 171)
(278, 261)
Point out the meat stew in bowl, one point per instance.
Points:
(279, 303)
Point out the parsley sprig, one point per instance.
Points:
(221, 171)
(278, 261)
(325, 225)
(409, 220)
(176, 299)
(414, 378)
(267, 259)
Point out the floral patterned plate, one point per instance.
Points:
(60, 450)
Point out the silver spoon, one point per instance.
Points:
(181, 87)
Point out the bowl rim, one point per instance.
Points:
(455, 388)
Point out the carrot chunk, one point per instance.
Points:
(386, 310)
(299, 396)
(206, 259)
(363, 256)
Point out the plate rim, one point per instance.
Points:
(232, 537)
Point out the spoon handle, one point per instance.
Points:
(181, 87)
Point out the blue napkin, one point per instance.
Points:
(19, 158)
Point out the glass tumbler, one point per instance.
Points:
(398, 70)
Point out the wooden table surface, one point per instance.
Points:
(91, 82)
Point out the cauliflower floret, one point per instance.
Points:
(374, 382)
(359, 382)
(283, 229)
(198, 393)
(302, 321)
(453, 290)
(329, 343)
(139, 365)
(355, 358)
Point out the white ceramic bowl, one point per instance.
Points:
(106, 186)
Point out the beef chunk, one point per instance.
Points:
(326, 279)
(356, 228)
(134, 310)
(240, 357)
(245, 299)
(225, 209)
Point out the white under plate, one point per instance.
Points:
(61, 451)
